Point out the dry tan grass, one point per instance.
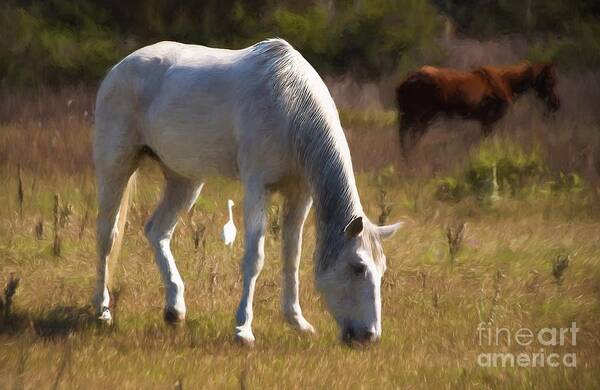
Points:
(503, 272)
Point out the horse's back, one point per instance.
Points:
(432, 90)
(421, 92)
(192, 105)
(147, 71)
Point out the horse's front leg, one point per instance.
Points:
(253, 260)
(296, 207)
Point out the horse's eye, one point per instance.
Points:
(359, 269)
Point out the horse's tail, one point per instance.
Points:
(399, 97)
(122, 219)
(402, 89)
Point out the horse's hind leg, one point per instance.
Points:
(296, 207)
(404, 128)
(411, 132)
(179, 194)
(112, 181)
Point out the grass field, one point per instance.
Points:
(505, 272)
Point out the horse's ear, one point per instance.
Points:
(354, 227)
(387, 231)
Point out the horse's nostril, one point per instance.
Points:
(348, 334)
(361, 336)
(370, 336)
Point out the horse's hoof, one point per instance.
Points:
(174, 317)
(104, 318)
(307, 329)
(301, 325)
(244, 339)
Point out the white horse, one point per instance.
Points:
(264, 115)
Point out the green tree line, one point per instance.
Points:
(62, 41)
(563, 31)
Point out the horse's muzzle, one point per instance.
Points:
(363, 336)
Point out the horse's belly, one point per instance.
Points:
(196, 149)
(192, 133)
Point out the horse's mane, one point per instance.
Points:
(316, 139)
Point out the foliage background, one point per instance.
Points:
(61, 41)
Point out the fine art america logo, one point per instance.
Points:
(541, 342)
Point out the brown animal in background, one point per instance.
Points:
(483, 94)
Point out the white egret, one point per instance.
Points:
(229, 230)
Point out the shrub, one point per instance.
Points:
(450, 189)
(56, 42)
(570, 182)
(516, 170)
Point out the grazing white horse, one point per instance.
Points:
(264, 115)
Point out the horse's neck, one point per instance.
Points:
(336, 203)
(519, 81)
(317, 141)
(335, 194)
(328, 167)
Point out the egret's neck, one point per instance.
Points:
(230, 211)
